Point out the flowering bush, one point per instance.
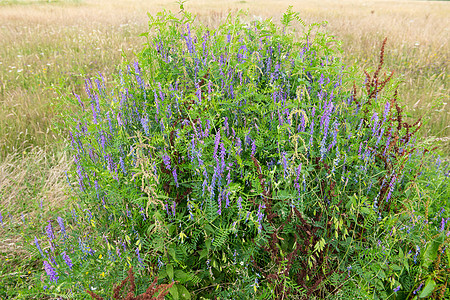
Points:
(240, 162)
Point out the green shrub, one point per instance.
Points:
(240, 162)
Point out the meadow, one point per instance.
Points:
(49, 48)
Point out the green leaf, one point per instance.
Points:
(181, 276)
(183, 293)
(430, 254)
(208, 244)
(428, 289)
(174, 292)
(169, 270)
(172, 253)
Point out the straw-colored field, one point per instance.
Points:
(46, 44)
(51, 46)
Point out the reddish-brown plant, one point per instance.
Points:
(154, 291)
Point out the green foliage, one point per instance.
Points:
(239, 162)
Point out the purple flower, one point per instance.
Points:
(79, 101)
(156, 103)
(205, 183)
(325, 119)
(1, 218)
(239, 203)
(175, 177)
(260, 216)
(225, 125)
(386, 110)
(391, 188)
(144, 123)
(49, 230)
(189, 207)
(388, 142)
(443, 222)
(67, 260)
(253, 148)
(228, 177)
(119, 119)
(109, 122)
(174, 206)
(166, 205)
(51, 272)
(36, 242)
(216, 146)
(94, 113)
(198, 92)
(139, 256)
(397, 289)
(61, 225)
(227, 199)
(138, 74)
(222, 157)
(374, 119)
(416, 254)
(238, 146)
(219, 200)
(379, 137)
(166, 160)
(418, 289)
(122, 165)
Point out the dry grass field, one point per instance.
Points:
(47, 47)
(49, 44)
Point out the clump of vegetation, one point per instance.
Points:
(246, 161)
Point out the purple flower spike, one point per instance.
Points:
(139, 256)
(239, 203)
(216, 146)
(386, 110)
(94, 113)
(175, 177)
(418, 289)
(225, 125)
(144, 122)
(166, 160)
(61, 225)
(36, 242)
(67, 260)
(119, 119)
(253, 148)
(222, 157)
(49, 230)
(51, 272)
(219, 200)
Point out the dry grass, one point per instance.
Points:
(48, 45)
(33, 187)
(26, 179)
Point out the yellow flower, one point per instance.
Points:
(100, 256)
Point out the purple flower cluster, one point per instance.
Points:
(67, 259)
(51, 272)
